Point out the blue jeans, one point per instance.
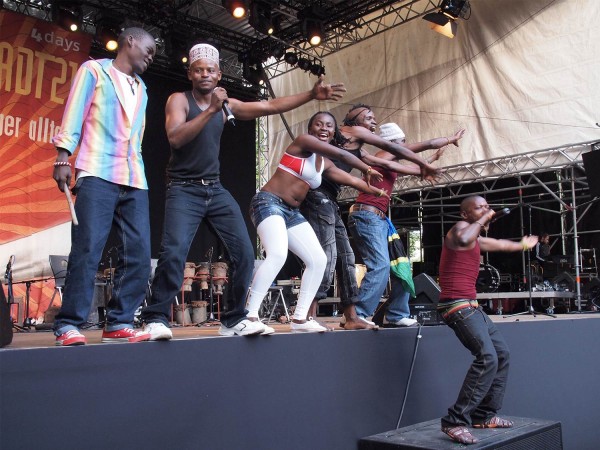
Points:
(370, 234)
(101, 205)
(187, 205)
(265, 204)
(323, 214)
(482, 392)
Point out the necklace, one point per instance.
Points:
(131, 82)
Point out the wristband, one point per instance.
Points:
(448, 141)
(62, 163)
(381, 193)
(479, 223)
(524, 245)
(369, 170)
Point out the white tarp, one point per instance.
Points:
(521, 75)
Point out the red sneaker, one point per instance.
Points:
(125, 335)
(71, 337)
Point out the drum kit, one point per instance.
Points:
(212, 277)
(488, 279)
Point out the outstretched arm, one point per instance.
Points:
(305, 143)
(320, 91)
(504, 245)
(339, 176)
(436, 142)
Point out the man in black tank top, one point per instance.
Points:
(194, 123)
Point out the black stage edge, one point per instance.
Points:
(286, 391)
(527, 434)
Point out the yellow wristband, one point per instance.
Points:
(448, 141)
(524, 245)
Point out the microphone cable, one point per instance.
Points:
(412, 367)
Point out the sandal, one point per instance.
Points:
(494, 422)
(460, 434)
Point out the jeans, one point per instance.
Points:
(101, 205)
(187, 205)
(482, 392)
(370, 234)
(265, 204)
(323, 214)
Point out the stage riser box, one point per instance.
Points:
(527, 434)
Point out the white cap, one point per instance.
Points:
(391, 131)
(204, 51)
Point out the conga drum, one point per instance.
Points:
(202, 274)
(188, 275)
(219, 276)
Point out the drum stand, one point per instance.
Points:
(530, 310)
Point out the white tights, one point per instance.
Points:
(276, 240)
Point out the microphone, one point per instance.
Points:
(501, 213)
(11, 261)
(228, 113)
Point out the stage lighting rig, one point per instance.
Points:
(261, 18)
(237, 8)
(67, 15)
(107, 33)
(313, 26)
(444, 20)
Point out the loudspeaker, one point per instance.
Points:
(591, 164)
(426, 290)
(6, 331)
(565, 282)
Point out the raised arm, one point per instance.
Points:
(320, 91)
(504, 245)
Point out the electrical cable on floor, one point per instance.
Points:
(412, 366)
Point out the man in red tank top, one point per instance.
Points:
(482, 391)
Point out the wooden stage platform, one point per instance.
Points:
(286, 391)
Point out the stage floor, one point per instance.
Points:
(37, 339)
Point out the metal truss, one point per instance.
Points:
(487, 172)
(262, 151)
(346, 32)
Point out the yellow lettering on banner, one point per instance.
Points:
(9, 125)
(19, 63)
(24, 64)
(6, 57)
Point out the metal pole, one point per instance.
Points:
(575, 243)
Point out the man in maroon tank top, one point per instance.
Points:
(482, 391)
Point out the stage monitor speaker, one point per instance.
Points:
(427, 291)
(6, 331)
(591, 164)
(565, 282)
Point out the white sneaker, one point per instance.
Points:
(404, 322)
(310, 326)
(244, 328)
(158, 331)
(268, 330)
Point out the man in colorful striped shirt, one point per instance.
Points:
(105, 117)
(482, 392)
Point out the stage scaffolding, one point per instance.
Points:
(556, 172)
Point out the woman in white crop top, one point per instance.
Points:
(274, 212)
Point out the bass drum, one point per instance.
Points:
(488, 279)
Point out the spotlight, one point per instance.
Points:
(108, 29)
(278, 51)
(317, 69)
(290, 58)
(260, 18)
(237, 8)
(253, 72)
(67, 15)
(304, 64)
(314, 31)
(444, 21)
(176, 49)
(313, 27)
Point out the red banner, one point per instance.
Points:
(37, 63)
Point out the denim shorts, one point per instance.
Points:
(265, 204)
